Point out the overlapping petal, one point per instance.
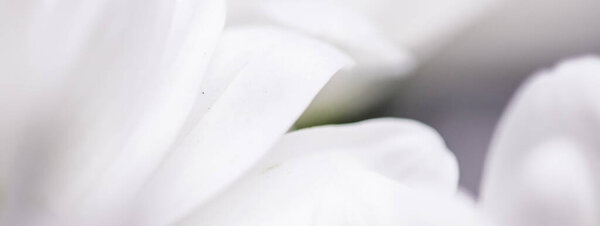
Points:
(385, 37)
(274, 75)
(370, 173)
(418, 26)
(121, 115)
(379, 61)
(99, 91)
(403, 150)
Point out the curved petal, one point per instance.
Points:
(378, 59)
(347, 28)
(101, 89)
(275, 75)
(383, 36)
(401, 149)
(541, 161)
(346, 175)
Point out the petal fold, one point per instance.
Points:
(403, 150)
(274, 75)
(346, 175)
(420, 27)
(387, 38)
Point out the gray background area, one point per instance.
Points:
(463, 90)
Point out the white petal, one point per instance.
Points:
(275, 76)
(542, 159)
(403, 150)
(423, 26)
(383, 36)
(345, 175)
(418, 26)
(379, 61)
(348, 29)
(553, 186)
(104, 87)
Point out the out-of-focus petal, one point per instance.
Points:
(422, 26)
(418, 26)
(100, 90)
(554, 186)
(274, 76)
(371, 173)
(379, 61)
(384, 36)
(542, 160)
(348, 29)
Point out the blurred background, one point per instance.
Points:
(471, 56)
(463, 89)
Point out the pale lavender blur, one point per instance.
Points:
(463, 90)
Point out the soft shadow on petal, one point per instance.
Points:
(385, 37)
(347, 175)
(541, 162)
(421, 27)
(348, 29)
(273, 78)
(401, 149)
(380, 62)
(425, 26)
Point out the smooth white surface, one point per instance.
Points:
(127, 123)
(387, 38)
(368, 173)
(272, 86)
(99, 90)
(542, 163)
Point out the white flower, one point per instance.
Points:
(147, 113)
(543, 160)
(385, 37)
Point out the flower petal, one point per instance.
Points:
(422, 26)
(349, 29)
(541, 161)
(379, 61)
(383, 36)
(103, 88)
(345, 175)
(403, 150)
(275, 76)
(418, 26)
